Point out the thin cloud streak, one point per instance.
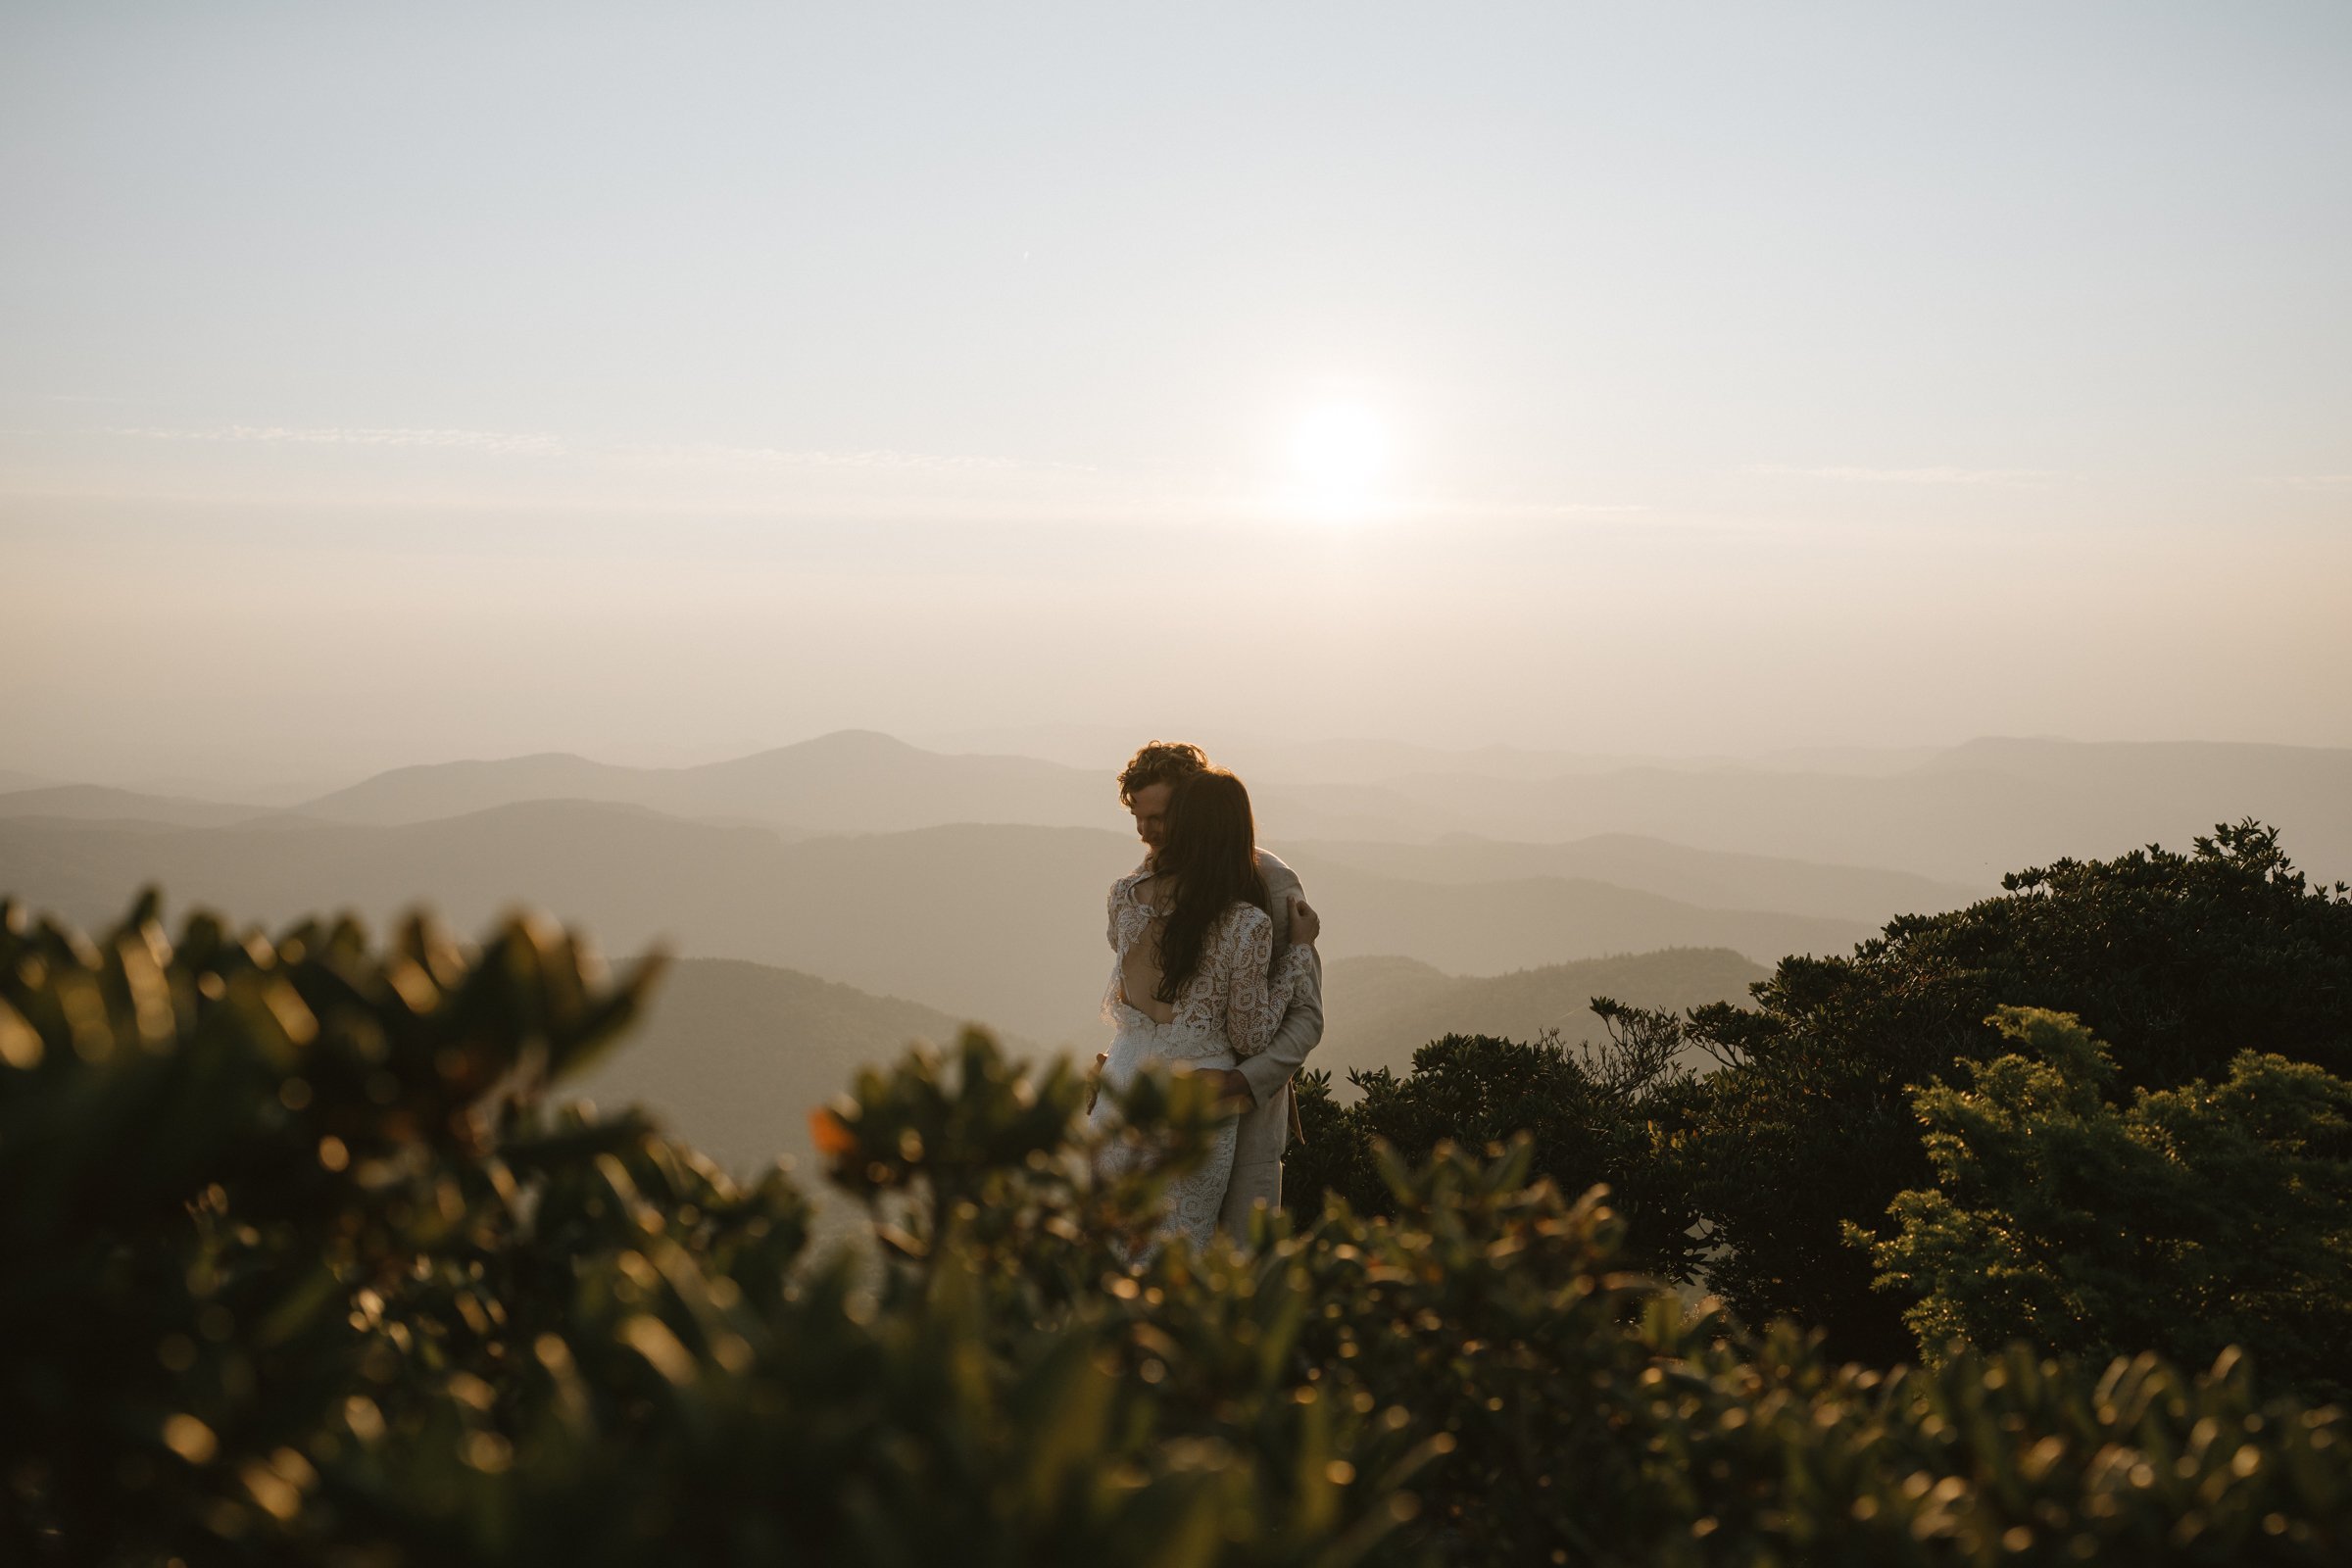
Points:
(687, 455)
(877, 483)
(499, 442)
(715, 454)
(1846, 475)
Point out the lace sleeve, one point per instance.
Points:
(1255, 1000)
(1125, 918)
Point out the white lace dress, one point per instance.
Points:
(1228, 1009)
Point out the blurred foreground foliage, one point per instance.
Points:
(300, 1267)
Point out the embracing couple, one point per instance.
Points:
(1213, 970)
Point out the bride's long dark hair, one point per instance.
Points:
(1210, 852)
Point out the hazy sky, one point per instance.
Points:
(391, 384)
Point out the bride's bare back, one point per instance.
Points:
(1139, 967)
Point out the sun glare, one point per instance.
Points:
(1339, 456)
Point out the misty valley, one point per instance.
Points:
(857, 859)
(1471, 893)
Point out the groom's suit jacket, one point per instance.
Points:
(1266, 1126)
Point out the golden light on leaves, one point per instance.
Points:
(830, 1134)
(190, 1439)
(20, 1043)
(653, 1338)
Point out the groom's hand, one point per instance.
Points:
(1232, 1085)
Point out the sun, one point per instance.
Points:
(1339, 457)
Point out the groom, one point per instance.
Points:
(1262, 1083)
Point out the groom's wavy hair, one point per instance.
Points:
(1212, 853)
(1160, 762)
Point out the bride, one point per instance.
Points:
(1193, 982)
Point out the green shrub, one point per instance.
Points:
(470, 1330)
(1596, 1116)
(2178, 963)
(2185, 1222)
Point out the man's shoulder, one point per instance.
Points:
(1271, 867)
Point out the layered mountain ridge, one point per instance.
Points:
(1959, 817)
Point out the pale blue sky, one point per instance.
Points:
(720, 374)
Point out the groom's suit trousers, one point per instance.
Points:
(1265, 1127)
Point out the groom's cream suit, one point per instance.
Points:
(1266, 1125)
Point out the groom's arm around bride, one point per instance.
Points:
(1265, 1125)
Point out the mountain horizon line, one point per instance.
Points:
(854, 739)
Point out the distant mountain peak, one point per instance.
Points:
(843, 751)
(861, 742)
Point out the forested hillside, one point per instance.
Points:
(2133, 1078)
